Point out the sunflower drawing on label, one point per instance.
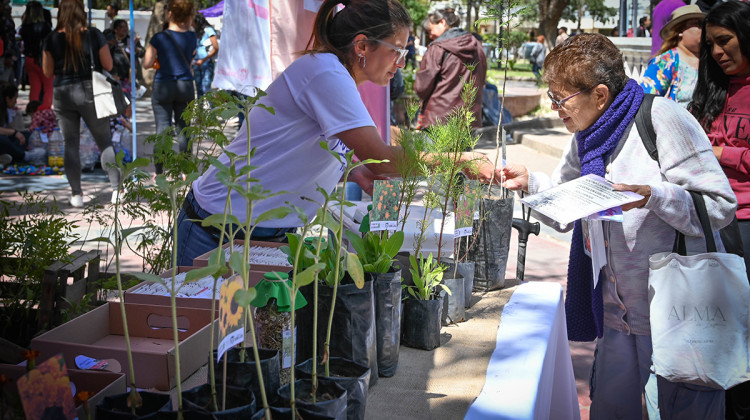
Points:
(230, 316)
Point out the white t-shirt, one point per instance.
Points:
(314, 99)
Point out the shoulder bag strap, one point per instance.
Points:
(645, 126)
(180, 50)
(700, 208)
(91, 50)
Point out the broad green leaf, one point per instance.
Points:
(148, 277)
(276, 213)
(236, 262)
(355, 269)
(129, 231)
(308, 276)
(393, 245)
(102, 239)
(199, 273)
(357, 243)
(244, 297)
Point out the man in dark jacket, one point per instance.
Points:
(443, 69)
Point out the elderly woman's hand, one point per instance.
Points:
(515, 177)
(643, 190)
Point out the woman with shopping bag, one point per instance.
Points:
(67, 55)
(721, 102)
(598, 103)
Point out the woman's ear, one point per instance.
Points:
(359, 44)
(601, 95)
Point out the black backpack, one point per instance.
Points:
(730, 235)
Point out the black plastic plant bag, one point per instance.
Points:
(353, 329)
(285, 413)
(304, 324)
(466, 269)
(334, 408)
(454, 310)
(245, 374)
(421, 325)
(354, 378)
(240, 402)
(490, 252)
(387, 290)
(116, 406)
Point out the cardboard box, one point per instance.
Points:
(133, 296)
(99, 334)
(202, 260)
(102, 384)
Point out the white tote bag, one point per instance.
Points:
(699, 313)
(103, 97)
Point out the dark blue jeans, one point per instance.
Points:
(204, 75)
(169, 99)
(193, 240)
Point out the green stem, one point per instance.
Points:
(125, 332)
(173, 303)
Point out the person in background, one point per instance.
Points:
(119, 43)
(13, 137)
(111, 16)
(411, 55)
(662, 14)
(34, 29)
(644, 27)
(207, 49)
(721, 103)
(173, 85)
(673, 72)
(67, 56)
(363, 42)
(562, 35)
(439, 80)
(597, 102)
(155, 25)
(537, 56)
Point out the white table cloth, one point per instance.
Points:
(530, 374)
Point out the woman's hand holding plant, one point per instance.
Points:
(515, 177)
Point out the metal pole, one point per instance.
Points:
(635, 18)
(623, 18)
(132, 80)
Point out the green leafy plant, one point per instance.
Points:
(376, 250)
(427, 275)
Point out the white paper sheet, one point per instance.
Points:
(578, 198)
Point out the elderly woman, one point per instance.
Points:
(597, 102)
(674, 70)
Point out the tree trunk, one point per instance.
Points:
(549, 17)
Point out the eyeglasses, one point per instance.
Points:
(400, 51)
(561, 102)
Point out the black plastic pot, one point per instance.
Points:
(387, 290)
(282, 413)
(354, 378)
(490, 252)
(421, 325)
(245, 374)
(240, 402)
(304, 321)
(453, 304)
(466, 269)
(353, 329)
(331, 398)
(116, 406)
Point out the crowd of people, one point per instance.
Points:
(56, 63)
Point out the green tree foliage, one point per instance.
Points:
(417, 10)
(594, 8)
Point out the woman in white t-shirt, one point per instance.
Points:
(315, 99)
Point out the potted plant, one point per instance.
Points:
(376, 252)
(490, 252)
(423, 310)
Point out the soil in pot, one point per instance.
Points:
(387, 291)
(240, 402)
(330, 398)
(353, 377)
(116, 406)
(245, 374)
(421, 325)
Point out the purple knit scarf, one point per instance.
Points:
(584, 308)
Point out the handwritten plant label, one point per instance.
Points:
(231, 332)
(385, 197)
(45, 392)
